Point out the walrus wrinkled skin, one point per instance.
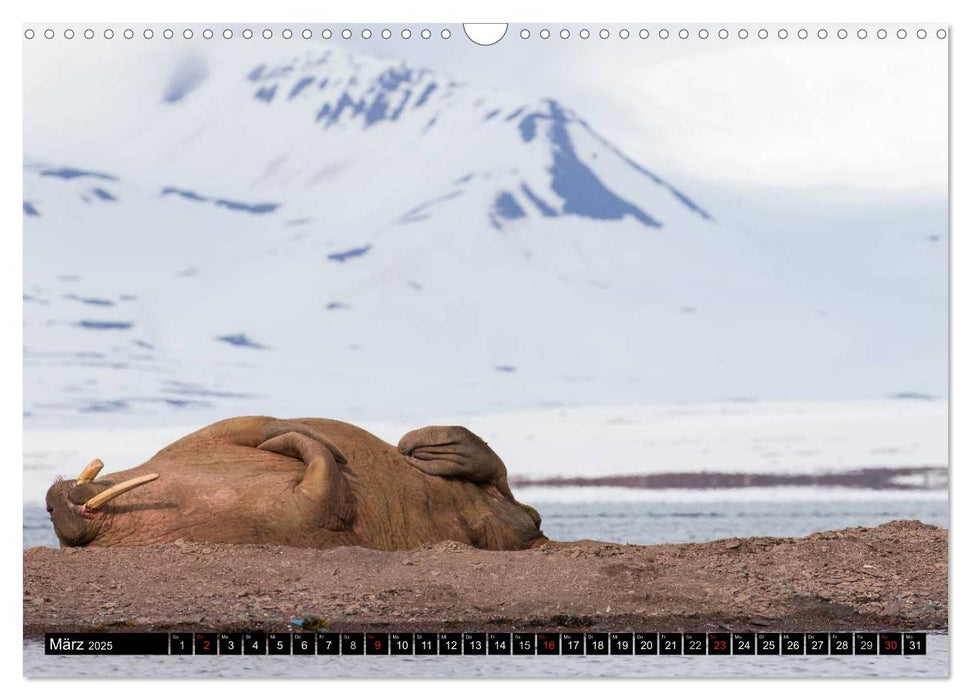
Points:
(307, 482)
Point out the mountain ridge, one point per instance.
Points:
(410, 250)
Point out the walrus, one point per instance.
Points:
(304, 482)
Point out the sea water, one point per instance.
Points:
(658, 518)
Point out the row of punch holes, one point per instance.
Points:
(446, 33)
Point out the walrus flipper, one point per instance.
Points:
(323, 488)
(454, 451)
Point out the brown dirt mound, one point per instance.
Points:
(891, 577)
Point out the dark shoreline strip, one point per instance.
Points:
(877, 478)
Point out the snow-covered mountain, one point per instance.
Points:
(342, 235)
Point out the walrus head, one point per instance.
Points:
(75, 506)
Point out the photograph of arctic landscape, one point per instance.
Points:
(596, 330)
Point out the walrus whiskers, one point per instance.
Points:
(91, 471)
(102, 498)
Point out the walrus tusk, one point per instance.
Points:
(96, 502)
(91, 471)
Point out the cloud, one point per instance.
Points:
(867, 116)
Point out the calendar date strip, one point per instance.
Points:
(487, 643)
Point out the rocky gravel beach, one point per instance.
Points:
(891, 577)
